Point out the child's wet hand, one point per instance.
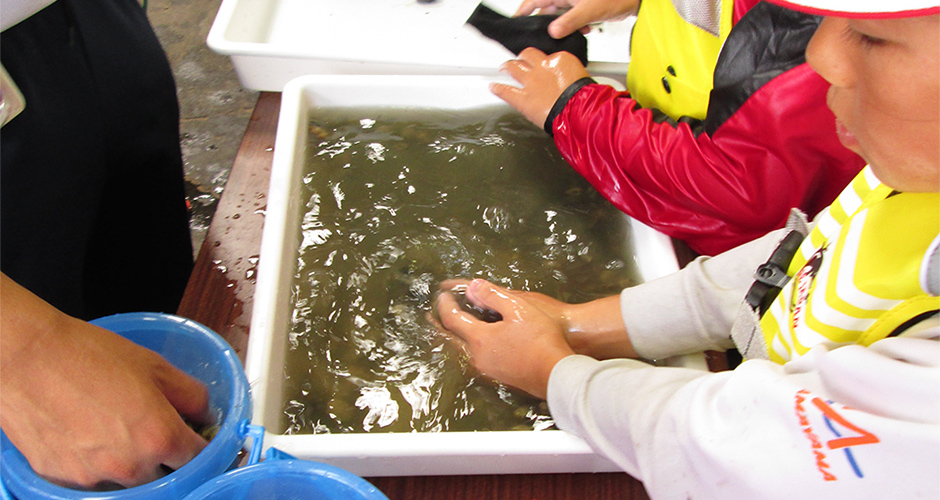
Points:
(520, 350)
(543, 79)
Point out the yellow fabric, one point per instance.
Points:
(661, 40)
(897, 316)
(857, 276)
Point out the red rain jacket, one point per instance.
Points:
(767, 144)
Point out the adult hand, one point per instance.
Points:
(520, 350)
(543, 78)
(86, 406)
(581, 13)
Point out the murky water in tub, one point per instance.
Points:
(394, 202)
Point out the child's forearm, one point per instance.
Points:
(596, 329)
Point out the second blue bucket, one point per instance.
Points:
(283, 477)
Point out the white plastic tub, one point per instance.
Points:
(379, 454)
(271, 42)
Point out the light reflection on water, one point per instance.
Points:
(395, 201)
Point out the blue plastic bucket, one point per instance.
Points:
(197, 351)
(282, 477)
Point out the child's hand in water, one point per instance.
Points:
(458, 290)
(519, 350)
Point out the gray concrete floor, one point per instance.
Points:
(214, 108)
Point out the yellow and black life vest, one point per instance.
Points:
(673, 52)
(862, 273)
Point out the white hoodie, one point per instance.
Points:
(850, 422)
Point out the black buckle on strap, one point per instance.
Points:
(771, 276)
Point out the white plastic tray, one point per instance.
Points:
(381, 454)
(271, 42)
